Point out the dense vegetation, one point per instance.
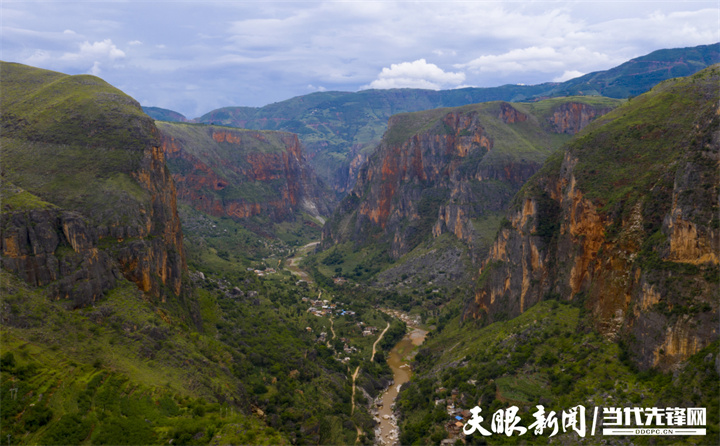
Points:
(550, 356)
(247, 353)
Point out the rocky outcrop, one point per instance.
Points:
(156, 258)
(636, 245)
(572, 117)
(243, 173)
(81, 259)
(118, 221)
(447, 170)
(57, 248)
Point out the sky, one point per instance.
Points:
(193, 56)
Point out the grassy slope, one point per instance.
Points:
(658, 120)
(103, 368)
(162, 114)
(88, 375)
(68, 162)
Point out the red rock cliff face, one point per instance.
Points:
(241, 173)
(647, 275)
(572, 117)
(453, 175)
(432, 182)
(426, 157)
(119, 221)
(80, 259)
(400, 178)
(623, 295)
(164, 262)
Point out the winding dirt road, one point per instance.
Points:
(378, 340)
(293, 261)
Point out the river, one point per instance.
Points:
(399, 361)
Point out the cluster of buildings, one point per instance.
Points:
(409, 320)
(459, 416)
(367, 330)
(263, 272)
(325, 308)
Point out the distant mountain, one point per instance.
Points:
(641, 74)
(340, 129)
(163, 114)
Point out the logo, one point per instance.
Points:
(613, 420)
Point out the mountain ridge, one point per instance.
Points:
(340, 129)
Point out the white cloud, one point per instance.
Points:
(567, 75)
(135, 42)
(95, 70)
(546, 59)
(417, 74)
(445, 52)
(38, 58)
(312, 87)
(96, 50)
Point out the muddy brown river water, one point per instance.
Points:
(399, 361)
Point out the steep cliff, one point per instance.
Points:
(87, 198)
(453, 170)
(243, 173)
(625, 221)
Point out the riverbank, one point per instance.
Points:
(399, 358)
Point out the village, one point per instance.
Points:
(459, 416)
(410, 321)
(324, 308)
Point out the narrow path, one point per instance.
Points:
(352, 408)
(293, 261)
(378, 340)
(332, 324)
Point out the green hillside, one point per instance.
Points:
(106, 337)
(547, 356)
(163, 114)
(83, 160)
